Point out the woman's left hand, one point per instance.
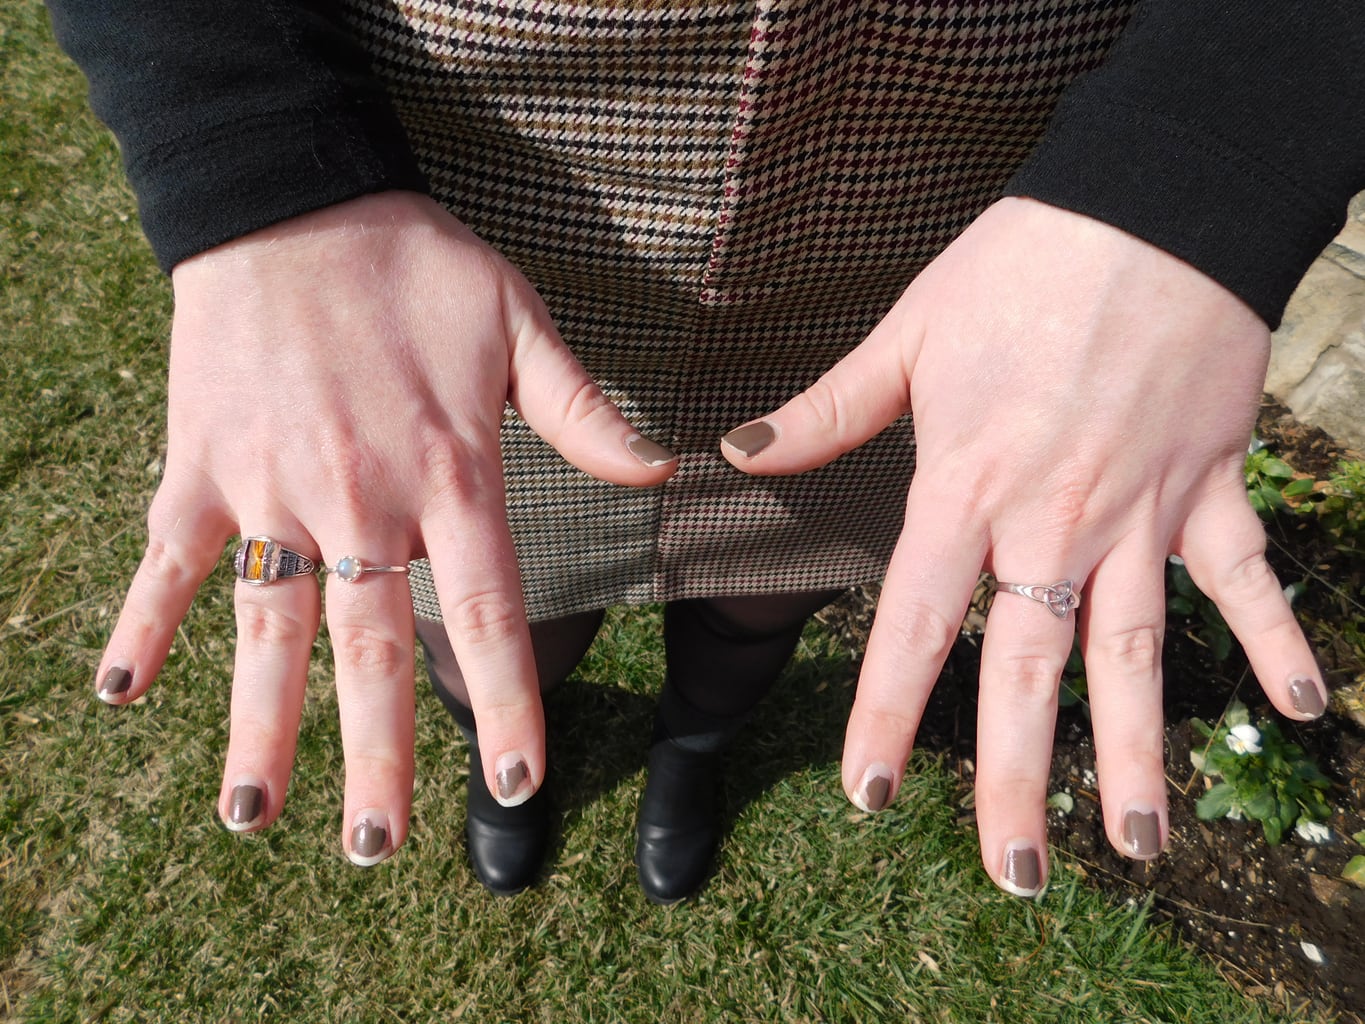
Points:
(1082, 404)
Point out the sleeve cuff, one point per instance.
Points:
(199, 194)
(1216, 208)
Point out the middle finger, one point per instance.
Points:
(369, 618)
(1122, 629)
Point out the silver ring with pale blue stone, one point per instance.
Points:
(349, 569)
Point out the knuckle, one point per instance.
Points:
(346, 471)
(166, 565)
(261, 737)
(888, 721)
(379, 766)
(1135, 651)
(1142, 755)
(352, 496)
(487, 619)
(260, 625)
(583, 404)
(438, 457)
(1035, 677)
(823, 403)
(1245, 580)
(920, 632)
(455, 467)
(1071, 506)
(372, 652)
(1010, 789)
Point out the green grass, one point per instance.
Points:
(123, 899)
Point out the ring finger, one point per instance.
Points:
(277, 622)
(1022, 658)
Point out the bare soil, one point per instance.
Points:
(1251, 906)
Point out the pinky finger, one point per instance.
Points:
(1223, 545)
(183, 546)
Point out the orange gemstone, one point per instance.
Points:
(255, 560)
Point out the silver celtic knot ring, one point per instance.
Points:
(350, 569)
(261, 560)
(1060, 597)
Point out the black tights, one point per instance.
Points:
(723, 653)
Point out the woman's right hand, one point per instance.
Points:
(337, 383)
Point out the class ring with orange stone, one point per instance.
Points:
(261, 560)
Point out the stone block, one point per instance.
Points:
(1317, 362)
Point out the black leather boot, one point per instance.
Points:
(678, 827)
(507, 845)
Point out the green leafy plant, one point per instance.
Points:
(1354, 871)
(1271, 480)
(1341, 509)
(1074, 689)
(1262, 775)
(1188, 600)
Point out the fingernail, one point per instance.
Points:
(651, 453)
(116, 683)
(751, 438)
(874, 792)
(245, 807)
(1022, 873)
(1306, 697)
(369, 839)
(1142, 834)
(514, 780)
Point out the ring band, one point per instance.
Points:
(1060, 597)
(261, 560)
(349, 568)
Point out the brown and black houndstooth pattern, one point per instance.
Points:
(717, 200)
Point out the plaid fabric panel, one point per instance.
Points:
(717, 201)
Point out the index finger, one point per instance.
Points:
(478, 583)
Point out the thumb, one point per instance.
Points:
(561, 403)
(855, 400)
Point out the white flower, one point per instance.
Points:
(1313, 831)
(1234, 813)
(1244, 739)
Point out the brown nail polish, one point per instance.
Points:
(1306, 697)
(245, 804)
(1023, 873)
(368, 838)
(117, 681)
(751, 438)
(877, 793)
(651, 453)
(511, 779)
(1142, 833)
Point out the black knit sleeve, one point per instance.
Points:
(233, 116)
(1230, 134)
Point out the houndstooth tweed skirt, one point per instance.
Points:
(717, 201)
